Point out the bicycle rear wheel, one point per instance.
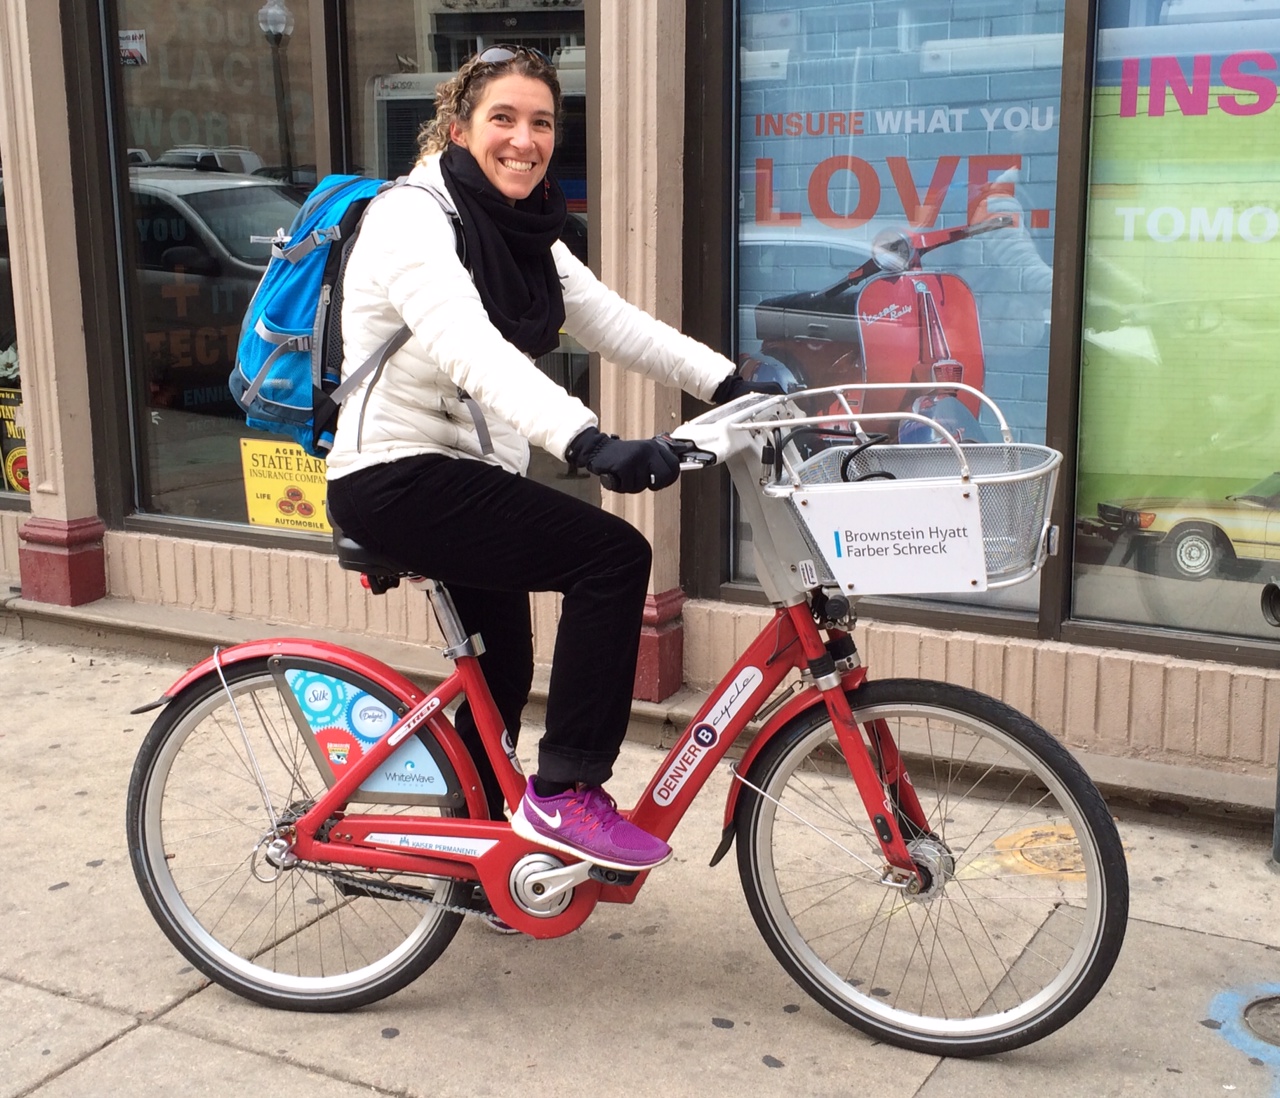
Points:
(309, 937)
(1024, 909)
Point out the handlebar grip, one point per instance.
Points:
(690, 456)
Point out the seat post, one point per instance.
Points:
(457, 643)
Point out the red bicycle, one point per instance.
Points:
(927, 863)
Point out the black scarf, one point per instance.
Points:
(509, 251)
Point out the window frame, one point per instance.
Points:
(710, 299)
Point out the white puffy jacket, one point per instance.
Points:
(404, 269)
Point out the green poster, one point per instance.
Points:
(1179, 394)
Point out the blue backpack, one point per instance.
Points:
(288, 372)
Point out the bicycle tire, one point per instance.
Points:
(1028, 919)
(194, 818)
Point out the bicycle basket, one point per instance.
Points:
(1014, 483)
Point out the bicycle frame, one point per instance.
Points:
(370, 835)
(488, 851)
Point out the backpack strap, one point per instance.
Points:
(315, 239)
(477, 418)
(283, 345)
(376, 361)
(460, 246)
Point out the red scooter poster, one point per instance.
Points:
(889, 321)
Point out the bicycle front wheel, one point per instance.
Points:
(1025, 899)
(302, 936)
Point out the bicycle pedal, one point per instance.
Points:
(612, 876)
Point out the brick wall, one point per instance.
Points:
(280, 588)
(1105, 700)
(1199, 713)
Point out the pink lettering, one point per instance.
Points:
(820, 192)
(1167, 76)
(766, 214)
(1129, 88)
(1256, 84)
(922, 216)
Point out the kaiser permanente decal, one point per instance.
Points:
(705, 734)
(443, 844)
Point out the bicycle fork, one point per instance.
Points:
(887, 794)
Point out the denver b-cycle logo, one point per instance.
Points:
(706, 734)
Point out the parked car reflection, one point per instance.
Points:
(200, 250)
(1194, 538)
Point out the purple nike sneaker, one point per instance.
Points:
(585, 823)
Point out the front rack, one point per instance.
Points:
(848, 509)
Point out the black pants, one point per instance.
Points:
(493, 537)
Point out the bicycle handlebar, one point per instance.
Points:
(688, 453)
(709, 438)
(691, 456)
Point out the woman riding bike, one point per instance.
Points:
(410, 477)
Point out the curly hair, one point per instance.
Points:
(457, 97)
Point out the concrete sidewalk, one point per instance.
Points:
(675, 995)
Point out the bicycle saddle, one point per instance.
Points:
(354, 557)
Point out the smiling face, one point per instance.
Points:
(511, 134)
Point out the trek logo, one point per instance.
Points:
(706, 734)
(414, 720)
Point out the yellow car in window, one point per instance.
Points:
(1195, 538)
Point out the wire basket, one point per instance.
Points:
(1015, 483)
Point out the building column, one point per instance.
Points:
(640, 210)
(61, 558)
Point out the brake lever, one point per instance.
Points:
(690, 455)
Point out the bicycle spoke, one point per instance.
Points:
(996, 931)
(288, 932)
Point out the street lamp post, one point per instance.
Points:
(276, 22)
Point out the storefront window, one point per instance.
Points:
(14, 476)
(217, 126)
(1178, 497)
(937, 121)
(399, 50)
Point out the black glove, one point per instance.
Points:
(624, 465)
(734, 386)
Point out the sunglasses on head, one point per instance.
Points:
(496, 55)
(500, 55)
